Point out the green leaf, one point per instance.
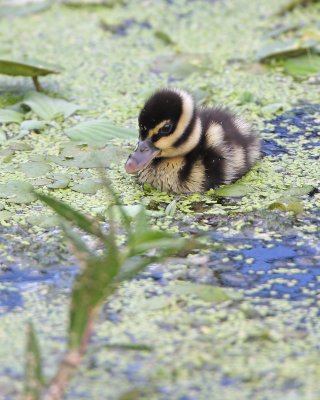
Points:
(182, 65)
(88, 158)
(34, 169)
(156, 303)
(98, 132)
(297, 191)
(212, 294)
(6, 155)
(17, 192)
(34, 381)
(156, 240)
(70, 214)
(272, 108)
(171, 208)
(26, 68)
(19, 146)
(303, 66)
(293, 205)
(130, 211)
(3, 137)
(129, 346)
(92, 3)
(7, 116)
(87, 186)
(292, 4)
(5, 215)
(48, 107)
(80, 249)
(19, 11)
(59, 181)
(44, 220)
(234, 190)
(290, 48)
(91, 288)
(33, 125)
(164, 37)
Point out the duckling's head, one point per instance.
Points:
(168, 127)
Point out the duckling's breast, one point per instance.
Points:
(165, 174)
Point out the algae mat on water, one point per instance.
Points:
(262, 342)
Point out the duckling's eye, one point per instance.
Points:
(166, 129)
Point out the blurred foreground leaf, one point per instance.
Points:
(33, 370)
(71, 215)
(101, 274)
(90, 289)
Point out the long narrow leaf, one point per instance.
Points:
(91, 288)
(80, 249)
(108, 188)
(70, 214)
(33, 370)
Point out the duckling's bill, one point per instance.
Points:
(141, 157)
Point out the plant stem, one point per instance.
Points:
(37, 84)
(70, 363)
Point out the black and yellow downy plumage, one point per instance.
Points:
(185, 149)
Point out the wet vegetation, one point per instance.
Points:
(143, 294)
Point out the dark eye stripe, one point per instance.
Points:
(166, 130)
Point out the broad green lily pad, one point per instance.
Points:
(289, 48)
(91, 158)
(33, 125)
(234, 190)
(44, 220)
(19, 146)
(208, 293)
(49, 107)
(181, 65)
(293, 205)
(17, 192)
(59, 181)
(34, 169)
(87, 186)
(98, 132)
(5, 215)
(272, 108)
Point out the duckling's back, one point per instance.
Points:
(229, 146)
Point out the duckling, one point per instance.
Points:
(186, 149)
